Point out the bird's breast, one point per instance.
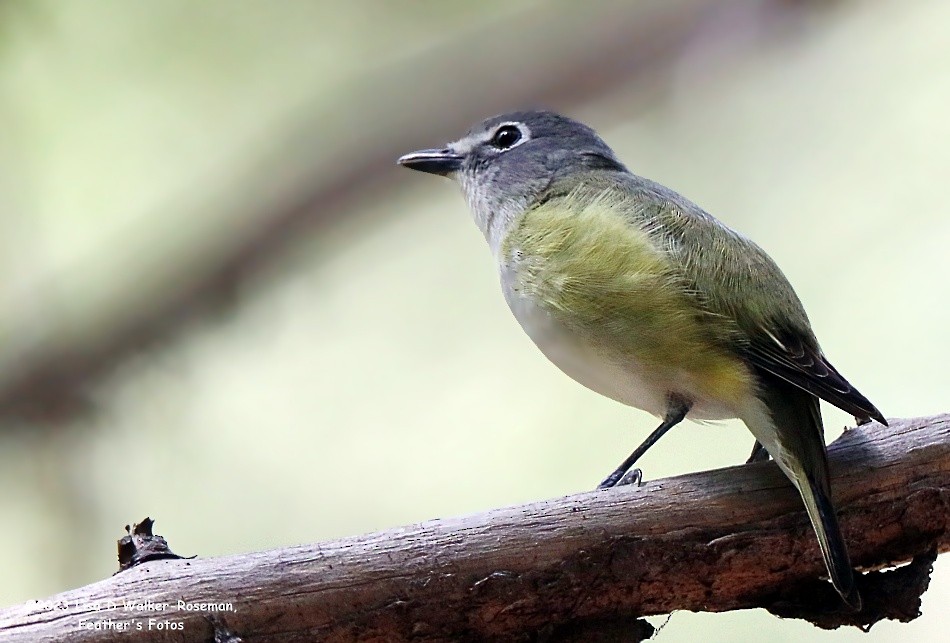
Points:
(603, 302)
(623, 380)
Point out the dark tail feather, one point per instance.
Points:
(833, 548)
(800, 446)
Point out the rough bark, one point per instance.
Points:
(582, 567)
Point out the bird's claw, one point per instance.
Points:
(621, 479)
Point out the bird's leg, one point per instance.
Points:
(759, 454)
(676, 410)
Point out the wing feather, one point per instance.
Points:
(803, 365)
(732, 277)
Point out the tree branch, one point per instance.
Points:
(720, 540)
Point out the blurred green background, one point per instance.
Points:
(223, 304)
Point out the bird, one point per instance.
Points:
(639, 294)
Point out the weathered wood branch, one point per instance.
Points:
(556, 570)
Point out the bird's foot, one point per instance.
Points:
(759, 454)
(622, 478)
(634, 477)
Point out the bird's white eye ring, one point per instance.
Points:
(506, 137)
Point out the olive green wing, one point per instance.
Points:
(733, 277)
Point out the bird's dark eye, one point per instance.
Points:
(505, 137)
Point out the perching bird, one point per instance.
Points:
(640, 295)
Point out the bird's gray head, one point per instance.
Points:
(505, 163)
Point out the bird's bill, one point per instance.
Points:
(442, 162)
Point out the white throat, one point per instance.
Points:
(493, 218)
